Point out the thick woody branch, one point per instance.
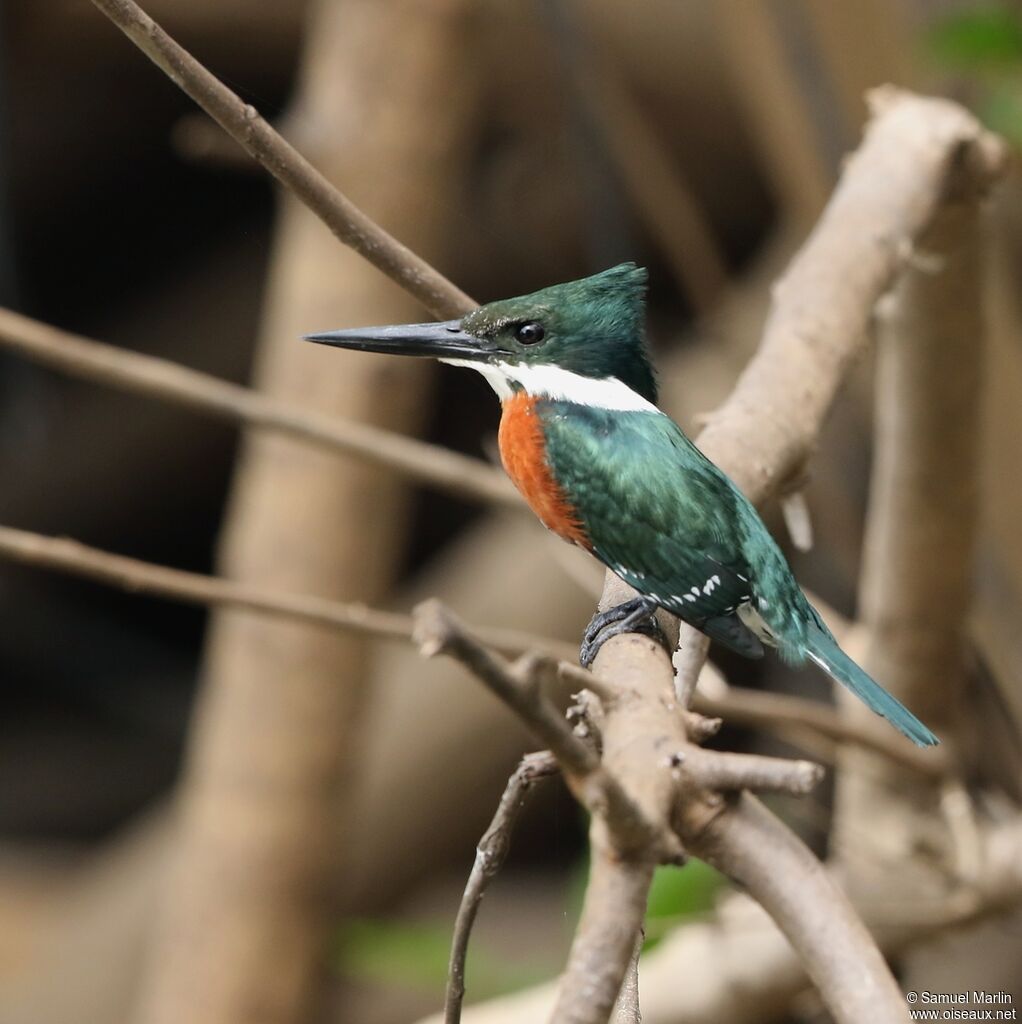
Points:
(740, 705)
(916, 584)
(615, 903)
(741, 838)
(926, 469)
(159, 378)
(644, 750)
(795, 889)
(915, 150)
(738, 967)
(242, 122)
(63, 555)
(916, 153)
(520, 686)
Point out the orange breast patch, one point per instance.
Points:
(523, 452)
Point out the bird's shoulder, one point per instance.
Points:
(639, 460)
(656, 511)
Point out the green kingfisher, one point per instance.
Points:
(601, 466)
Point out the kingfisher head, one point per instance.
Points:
(579, 341)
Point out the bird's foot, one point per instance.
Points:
(635, 616)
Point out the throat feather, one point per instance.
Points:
(523, 453)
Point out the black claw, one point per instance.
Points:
(635, 616)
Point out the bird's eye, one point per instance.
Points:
(530, 333)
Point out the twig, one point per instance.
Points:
(137, 576)
(162, 379)
(490, 855)
(742, 706)
(437, 632)
(693, 649)
(719, 770)
(626, 1009)
(797, 520)
(243, 123)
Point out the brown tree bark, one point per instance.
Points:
(261, 825)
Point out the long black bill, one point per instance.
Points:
(440, 340)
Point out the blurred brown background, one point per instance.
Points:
(512, 145)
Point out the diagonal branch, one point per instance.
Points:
(255, 135)
(815, 915)
(159, 378)
(490, 854)
(627, 828)
(917, 153)
(63, 555)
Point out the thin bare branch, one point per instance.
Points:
(490, 855)
(437, 632)
(626, 1009)
(798, 520)
(243, 123)
(741, 706)
(720, 770)
(693, 649)
(159, 378)
(69, 556)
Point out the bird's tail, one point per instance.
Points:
(822, 648)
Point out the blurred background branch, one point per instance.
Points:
(455, 127)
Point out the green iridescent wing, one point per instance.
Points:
(656, 511)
